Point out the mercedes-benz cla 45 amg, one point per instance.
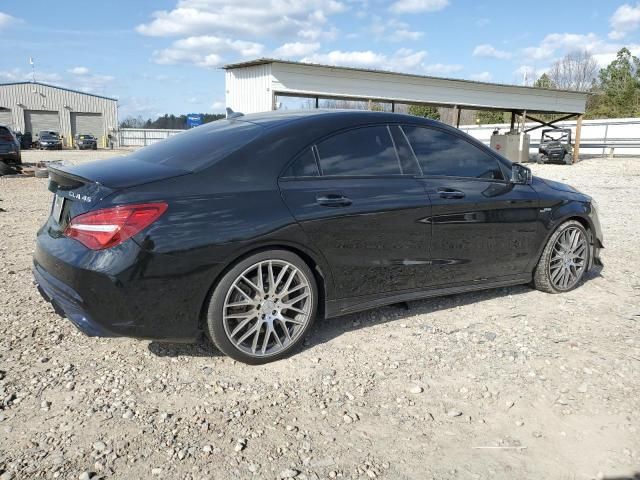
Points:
(248, 228)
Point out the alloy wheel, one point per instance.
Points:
(568, 259)
(267, 308)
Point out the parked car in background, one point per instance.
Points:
(9, 146)
(246, 228)
(83, 142)
(48, 140)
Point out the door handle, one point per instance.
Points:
(333, 200)
(450, 193)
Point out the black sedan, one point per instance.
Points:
(248, 228)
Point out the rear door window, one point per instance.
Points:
(443, 154)
(361, 151)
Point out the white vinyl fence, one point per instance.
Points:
(598, 137)
(141, 137)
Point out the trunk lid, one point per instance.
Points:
(121, 172)
(79, 188)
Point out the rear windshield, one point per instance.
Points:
(200, 147)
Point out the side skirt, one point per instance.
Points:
(335, 308)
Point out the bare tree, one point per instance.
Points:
(575, 71)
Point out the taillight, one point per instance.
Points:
(109, 227)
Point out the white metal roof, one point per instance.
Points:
(251, 87)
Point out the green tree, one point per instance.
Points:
(619, 89)
(425, 111)
(489, 116)
(544, 82)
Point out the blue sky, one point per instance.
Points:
(164, 56)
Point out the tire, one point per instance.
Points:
(568, 159)
(540, 158)
(549, 275)
(241, 310)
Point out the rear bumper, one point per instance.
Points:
(68, 303)
(123, 291)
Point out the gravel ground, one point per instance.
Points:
(507, 383)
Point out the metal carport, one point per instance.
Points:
(253, 86)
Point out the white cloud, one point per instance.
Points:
(19, 75)
(607, 54)
(314, 34)
(391, 30)
(555, 45)
(7, 20)
(205, 51)
(93, 83)
(443, 68)
(402, 34)
(218, 106)
(486, 50)
(352, 59)
(295, 49)
(90, 83)
(201, 17)
(481, 77)
(624, 20)
(418, 6)
(79, 70)
(134, 106)
(403, 60)
(563, 43)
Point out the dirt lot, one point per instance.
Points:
(508, 383)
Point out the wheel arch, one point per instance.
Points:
(556, 221)
(320, 269)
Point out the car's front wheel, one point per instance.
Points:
(564, 260)
(262, 308)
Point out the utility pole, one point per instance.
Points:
(33, 69)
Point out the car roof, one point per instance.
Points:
(281, 117)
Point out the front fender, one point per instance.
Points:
(552, 217)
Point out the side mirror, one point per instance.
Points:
(521, 175)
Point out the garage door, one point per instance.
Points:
(5, 117)
(38, 120)
(87, 124)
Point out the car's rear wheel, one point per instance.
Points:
(564, 260)
(262, 307)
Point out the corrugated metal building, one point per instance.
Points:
(33, 106)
